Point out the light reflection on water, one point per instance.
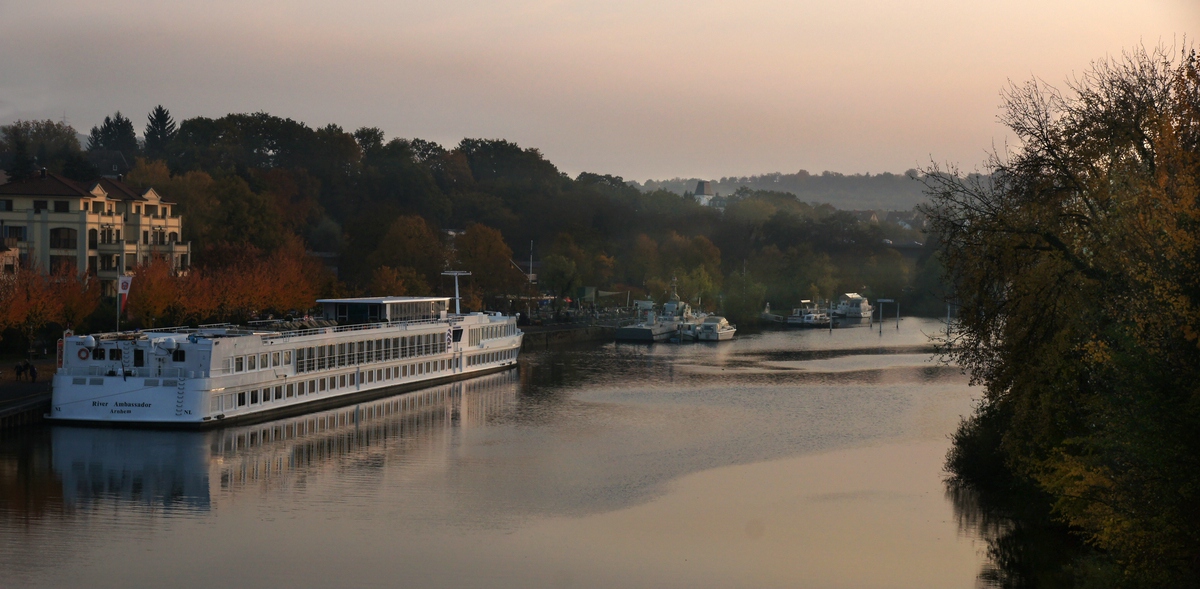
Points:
(353, 495)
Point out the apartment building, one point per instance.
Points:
(105, 227)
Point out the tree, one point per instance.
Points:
(1076, 264)
(482, 251)
(21, 166)
(115, 134)
(388, 281)
(79, 295)
(411, 242)
(160, 132)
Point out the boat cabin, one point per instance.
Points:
(384, 309)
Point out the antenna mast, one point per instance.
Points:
(456, 274)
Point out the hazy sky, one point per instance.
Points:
(642, 89)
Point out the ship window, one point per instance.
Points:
(98, 353)
(322, 381)
(139, 357)
(379, 374)
(227, 402)
(274, 358)
(342, 380)
(321, 358)
(300, 389)
(387, 373)
(242, 399)
(279, 393)
(291, 390)
(254, 396)
(264, 361)
(312, 386)
(252, 362)
(177, 355)
(287, 358)
(114, 354)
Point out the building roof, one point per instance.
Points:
(119, 190)
(49, 185)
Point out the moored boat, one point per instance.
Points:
(853, 305)
(715, 328)
(218, 373)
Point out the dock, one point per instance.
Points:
(23, 403)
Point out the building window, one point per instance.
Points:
(39, 206)
(145, 238)
(16, 232)
(64, 238)
(62, 206)
(5, 206)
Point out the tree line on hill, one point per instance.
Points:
(885, 191)
(256, 187)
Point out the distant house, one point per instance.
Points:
(104, 228)
(704, 192)
(110, 163)
(907, 219)
(866, 216)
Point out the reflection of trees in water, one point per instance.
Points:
(1026, 546)
(29, 487)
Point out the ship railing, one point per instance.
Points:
(139, 372)
(176, 329)
(349, 328)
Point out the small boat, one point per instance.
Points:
(816, 318)
(853, 305)
(807, 307)
(716, 329)
(649, 326)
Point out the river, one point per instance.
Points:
(780, 459)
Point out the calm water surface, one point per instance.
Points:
(782, 459)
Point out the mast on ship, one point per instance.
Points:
(456, 274)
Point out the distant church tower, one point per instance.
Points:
(704, 192)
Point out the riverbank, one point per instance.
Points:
(23, 402)
(538, 337)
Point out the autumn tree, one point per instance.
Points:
(404, 281)
(79, 295)
(1076, 262)
(411, 242)
(482, 251)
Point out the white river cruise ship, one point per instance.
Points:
(222, 373)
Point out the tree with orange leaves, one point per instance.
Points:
(154, 294)
(79, 295)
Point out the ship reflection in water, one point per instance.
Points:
(188, 470)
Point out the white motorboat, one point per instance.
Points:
(715, 328)
(853, 305)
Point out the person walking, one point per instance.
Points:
(32, 373)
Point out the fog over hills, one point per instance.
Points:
(885, 191)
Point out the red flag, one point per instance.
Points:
(123, 292)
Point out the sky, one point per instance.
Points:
(644, 89)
